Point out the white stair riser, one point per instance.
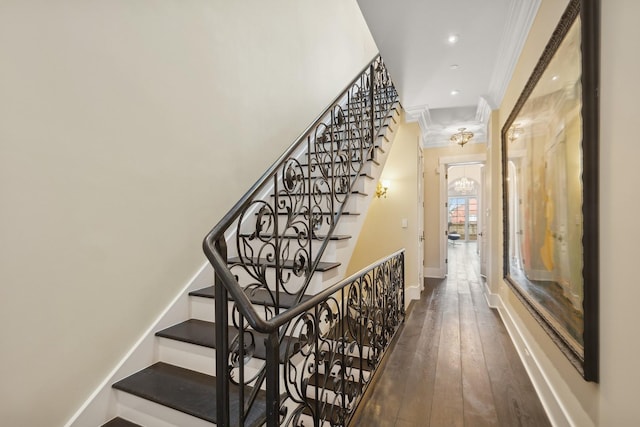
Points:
(203, 359)
(352, 372)
(150, 414)
(322, 180)
(196, 357)
(264, 247)
(186, 355)
(346, 221)
(295, 283)
(204, 309)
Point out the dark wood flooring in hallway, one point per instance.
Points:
(453, 363)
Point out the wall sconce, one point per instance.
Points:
(381, 189)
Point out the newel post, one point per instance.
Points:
(222, 344)
(273, 379)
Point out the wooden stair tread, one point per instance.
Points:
(346, 138)
(316, 164)
(294, 236)
(378, 147)
(352, 361)
(323, 213)
(256, 296)
(120, 422)
(332, 383)
(361, 335)
(188, 391)
(203, 333)
(337, 130)
(352, 175)
(288, 264)
(358, 192)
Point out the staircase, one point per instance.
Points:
(280, 338)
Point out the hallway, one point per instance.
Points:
(453, 363)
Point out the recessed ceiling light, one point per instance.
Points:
(554, 78)
(453, 39)
(455, 92)
(454, 66)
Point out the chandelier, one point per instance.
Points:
(514, 132)
(461, 137)
(463, 185)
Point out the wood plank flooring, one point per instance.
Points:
(453, 363)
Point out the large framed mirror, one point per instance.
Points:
(550, 197)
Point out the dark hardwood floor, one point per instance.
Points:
(453, 363)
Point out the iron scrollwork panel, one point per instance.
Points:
(280, 237)
(341, 342)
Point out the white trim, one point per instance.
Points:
(411, 293)
(443, 163)
(551, 400)
(483, 112)
(421, 115)
(463, 158)
(520, 17)
(100, 407)
(434, 273)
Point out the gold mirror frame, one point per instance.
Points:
(550, 188)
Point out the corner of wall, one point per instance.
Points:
(412, 293)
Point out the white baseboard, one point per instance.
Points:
(493, 300)
(101, 405)
(550, 399)
(436, 273)
(411, 293)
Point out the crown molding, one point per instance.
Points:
(437, 135)
(483, 113)
(519, 20)
(421, 115)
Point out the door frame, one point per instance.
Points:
(443, 165)
(420, 216)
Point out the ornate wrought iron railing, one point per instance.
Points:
(343, 332)
(279, 231)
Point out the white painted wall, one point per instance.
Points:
(612, 402)
(122, 126)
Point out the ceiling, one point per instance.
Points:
(443, 84)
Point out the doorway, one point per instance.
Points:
(462, 216)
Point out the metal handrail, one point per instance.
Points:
(347, 328)
(305, 199)
(287, 316)
(217, 233)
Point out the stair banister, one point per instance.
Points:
(214, 244)
(287, 345)
(227, 220)
(217, 232)
(272, 325)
